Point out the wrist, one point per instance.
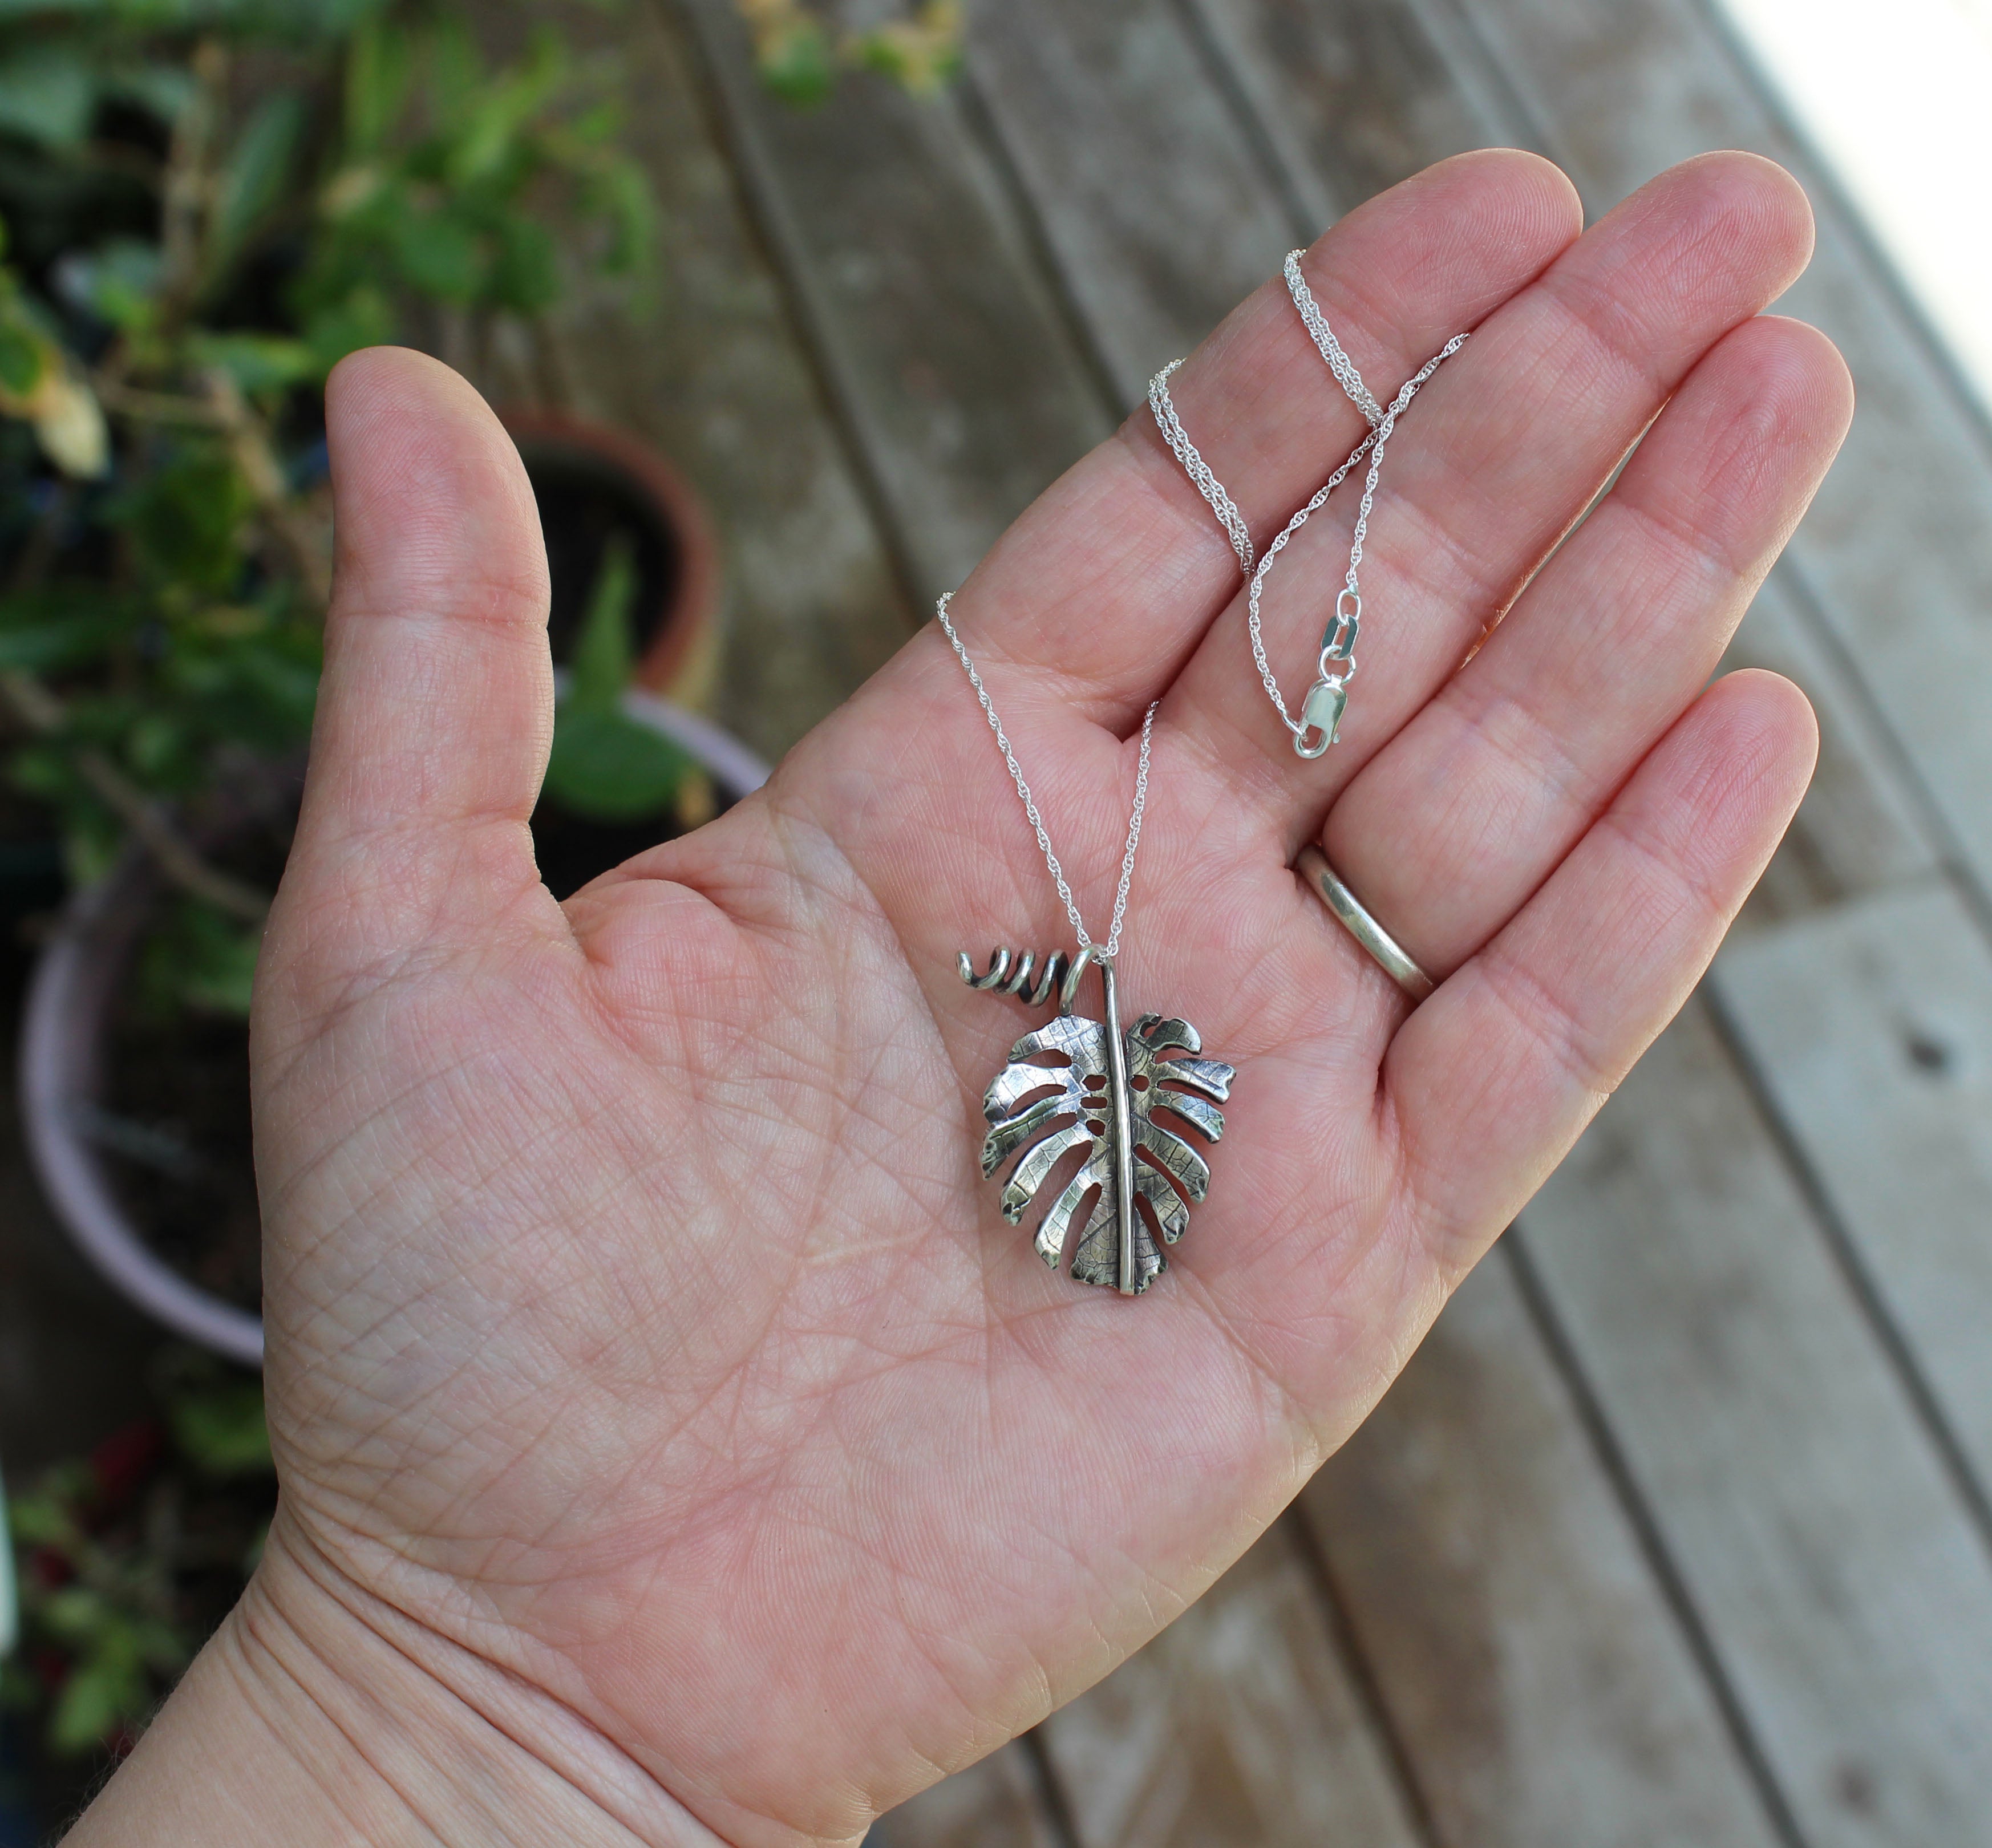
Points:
(319, 1715)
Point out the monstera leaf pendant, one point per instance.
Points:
(1093, 1086)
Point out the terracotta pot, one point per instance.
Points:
(590, 479)
(70, 1001)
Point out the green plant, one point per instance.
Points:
(210, 202)
(800, 53)
(217, 201)
(126, 1559)
(604, 765)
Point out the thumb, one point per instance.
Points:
(435, 710)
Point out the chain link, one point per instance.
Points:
(1037, 821)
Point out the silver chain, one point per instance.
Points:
(1037, 821)
(1352, 596)
(1336, 666)
(1268, 678)
(1338, 362)
(1196, 468)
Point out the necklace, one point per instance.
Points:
(1139, 1177)
(1321, 708)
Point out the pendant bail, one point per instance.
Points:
(1089, 957)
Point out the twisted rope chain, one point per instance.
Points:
(1037, 821)
(1336, 666)
(1196, 468)
(1338, 362)
(1349, 604)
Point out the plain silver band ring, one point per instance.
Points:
(1313, 866)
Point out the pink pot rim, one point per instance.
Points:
(69, 996)
(696, 607)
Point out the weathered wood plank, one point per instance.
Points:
(1518, 1637)
(996, 1804)
(1897, 552)
(1870, 1029)
(1653, 1762)
(1237, 1725)
(1159, 210)
(946, 352)
(706, 362)
(1860, 829)
(1841, 1583)
(1354, 97)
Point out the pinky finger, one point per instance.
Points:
(1493, 1079)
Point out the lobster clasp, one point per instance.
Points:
(1321, 717)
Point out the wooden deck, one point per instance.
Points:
(1678, 1529)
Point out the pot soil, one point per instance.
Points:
(592, 482)
(137, 1116)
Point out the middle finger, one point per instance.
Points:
(1454, 823)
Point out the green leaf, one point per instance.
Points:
(22, 355)
(99, 1698)
(619, 190)
(489, 137)
(119, 282)
(47, 96)
(222, 1429)
(609, 767)
(202, 960)
(256, 362)
(42, 1517)
(363, 317)
(188, 517)
(155, 742)
(251, 180)
(439, 254)
(797, 61)
(162, 90)
(376, 85)
(605, 650)
(74, 1613)
(60, 626)
(525, 270)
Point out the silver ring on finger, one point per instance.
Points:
(1385, 950)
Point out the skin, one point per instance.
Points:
(676, 1444)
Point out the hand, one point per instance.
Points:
(658, 1391)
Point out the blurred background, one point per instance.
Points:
(1677, 1529)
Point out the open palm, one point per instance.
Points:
(647, 1354)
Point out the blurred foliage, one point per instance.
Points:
(605, 765)
(205, 205)
(126, 1559)
(800, 52)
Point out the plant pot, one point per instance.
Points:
(591, 481)
(71, 1005)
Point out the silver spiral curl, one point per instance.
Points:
(1010, 972)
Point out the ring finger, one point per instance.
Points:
(1452, 826)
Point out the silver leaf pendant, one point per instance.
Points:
(1088, 1085)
